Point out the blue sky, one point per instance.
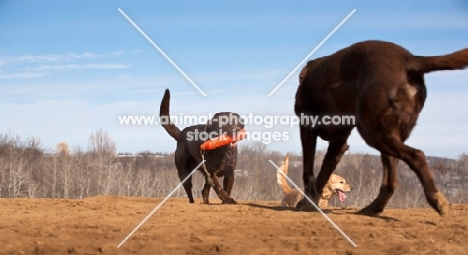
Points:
(69, 68)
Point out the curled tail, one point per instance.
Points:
(281, 179)
(165, 118)
(455, 61)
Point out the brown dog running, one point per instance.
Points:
(382, 85)
(219, 162)
(336, 185)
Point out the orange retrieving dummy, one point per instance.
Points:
(222, 140)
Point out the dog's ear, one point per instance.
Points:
(302, 74)
(213, 124)
(333, 178)
(310, 64)
(228, 119)
(237, 120)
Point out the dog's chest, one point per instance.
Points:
(220, 159)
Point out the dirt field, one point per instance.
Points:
(97, 225)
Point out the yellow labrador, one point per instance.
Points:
(335, 185)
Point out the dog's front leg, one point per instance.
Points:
(335, 151)
(228, 182)
(309, 141)
(221, 192)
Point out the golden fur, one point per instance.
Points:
(292, 197)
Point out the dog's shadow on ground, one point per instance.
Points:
(336, 211)
(271, 207)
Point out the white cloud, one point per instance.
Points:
(117, 53)
(46, 58)
(76, 66)
(23, 75)
(18, 72)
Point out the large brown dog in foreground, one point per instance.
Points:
(219, 162)
(382, 85)
(336, 185)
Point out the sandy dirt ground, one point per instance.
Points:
(98, 225)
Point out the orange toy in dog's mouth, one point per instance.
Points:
(223, 140)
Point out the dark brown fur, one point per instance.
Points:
(219, 162)
(382, 85)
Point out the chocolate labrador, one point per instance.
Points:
(219, 162)
(382, 85)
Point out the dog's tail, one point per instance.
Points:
(281, 179)
(165, 118)
(455, 61)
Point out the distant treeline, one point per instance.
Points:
(27, 170)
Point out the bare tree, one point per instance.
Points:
(17, 164)
(103, 150)
(67, 168)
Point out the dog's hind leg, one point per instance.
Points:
(416, 160)
(228, 182)
(188, 187)
(185, 164)
(389, 183)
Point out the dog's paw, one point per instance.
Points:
(367, 213)
(370, 210)
(443, 206)
(229, 201)
(305, 205)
